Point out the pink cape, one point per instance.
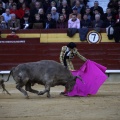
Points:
(93, 76)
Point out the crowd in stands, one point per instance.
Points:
(49, 14)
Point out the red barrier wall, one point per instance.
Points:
(11, 54)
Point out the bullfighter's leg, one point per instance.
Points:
(47, 89)
(19, 87)
(28, 88)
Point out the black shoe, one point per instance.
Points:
(62, 93)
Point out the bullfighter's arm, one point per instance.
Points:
(80, 56)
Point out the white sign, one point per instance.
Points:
(12, 41)
(94, 37)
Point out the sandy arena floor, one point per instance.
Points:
(103, 106)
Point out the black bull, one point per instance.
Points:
(45, 72)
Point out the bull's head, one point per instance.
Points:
(70, 84)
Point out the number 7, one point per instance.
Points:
(94, 36)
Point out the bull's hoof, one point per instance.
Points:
(40, 93)
(48, 96)
(27, 97)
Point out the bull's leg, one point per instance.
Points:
(19, 87)
(28, 88)
(4, 89)
(47, 89)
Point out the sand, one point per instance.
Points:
(105, 105)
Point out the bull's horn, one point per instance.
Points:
(80, 78)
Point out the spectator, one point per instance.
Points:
(64, 6)
(14, 10)
(25, 22)
(117, 16)
(84, 2)
(54, 13)
(66, 16)
(2, 10)
(118, 5)
(96, 11)
(46, 5)
(74, 22)
(38, 19)
(3, 24)
(27, 11)
(7, 15)
(88, 13)
(3, 4)
(73, 2)
(78, 6)
(96, 6)
(50, 23)
(9, 4)
(109, 21)
(113, 5)
(21, 2)
(52, 4)
(42, 14)
(32, 4)
(14, 24)
(35, 10)
(38, 23)
(59, 3)
(97, 23)
(85, 22)
(117, 30)
(75, 12)
(22, 10)
(61, 23)
(108, 11)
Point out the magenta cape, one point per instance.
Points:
(93, 76)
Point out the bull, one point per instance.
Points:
(45, 72)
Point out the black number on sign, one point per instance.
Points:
(94, 36)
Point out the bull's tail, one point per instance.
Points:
(9, 75)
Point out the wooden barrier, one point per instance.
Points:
(52, 35)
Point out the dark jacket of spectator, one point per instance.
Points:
(113, 5)
(67, 8)
(61, 23)
(96, 6)
(50, 24)
(99, 8)
(46, 5)
(108, 23)
(14, 24)
(86, 23)
(26, 23)
(117, 31)
(97, 24)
